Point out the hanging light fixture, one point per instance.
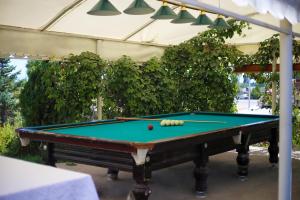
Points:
(138, 7)
(203, 19)
(104, 8)
(164, 12)
(183, 17)
(220, 23)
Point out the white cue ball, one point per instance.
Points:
(163, 123)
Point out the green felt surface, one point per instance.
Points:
(137, 131)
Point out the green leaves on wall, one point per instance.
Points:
(59, 92)
(194, 75)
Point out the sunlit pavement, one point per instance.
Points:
(177, 182)
(251, 107)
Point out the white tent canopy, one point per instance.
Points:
(280, 9)
(56, 28)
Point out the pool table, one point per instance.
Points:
(130, 146)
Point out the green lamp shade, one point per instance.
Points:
(164, 12)
(183, 17)
(138, 7)
(104, 8)
(220, 23)
(202, 19)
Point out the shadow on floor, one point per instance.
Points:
(177, 182)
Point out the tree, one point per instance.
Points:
(36, 107)
(202, 69)
(8, 87)
(133, 89)
(62, 92)
(80, 82)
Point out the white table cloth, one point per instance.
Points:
(21, 180)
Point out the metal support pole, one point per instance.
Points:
(285, 125)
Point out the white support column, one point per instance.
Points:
(285, 126)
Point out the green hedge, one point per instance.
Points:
(196, 75)
(296, 127)
(202, 69)
(61, 92)
(9, 141)
(133, 89)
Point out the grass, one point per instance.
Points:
(31, 158)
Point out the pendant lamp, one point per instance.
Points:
(138, 7)
(104, 8)
(183, 17)
(220, 23)
(164, 12)
(203, 19)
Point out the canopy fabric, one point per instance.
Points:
(289, 9)
(26, 25)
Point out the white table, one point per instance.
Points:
(21, 180)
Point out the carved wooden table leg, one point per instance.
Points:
(112, 174)
(200, 172)
(273, 147)
(243, 158)
(48, 154)
(141, 175)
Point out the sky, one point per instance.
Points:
(20, 65)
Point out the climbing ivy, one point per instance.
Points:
(194, 75)
(59, 92)
(137, 89)
(80, 82)
(202, 69)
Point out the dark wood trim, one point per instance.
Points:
(255, 68)
(80, 141)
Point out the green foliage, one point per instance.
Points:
(296, 127)
(8, 87)
(36, 107)
(59, 92)
(195, 75)
(133, 89)
(202, 69)
(9, 141)
(256, 93)
(236, 27)
(10, 145)
(36, 158)
(267, 52)
(160, 88)
(79, 81)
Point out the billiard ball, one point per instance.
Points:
(150, 127)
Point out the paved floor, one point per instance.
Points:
(177, 183)
(251, 107)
